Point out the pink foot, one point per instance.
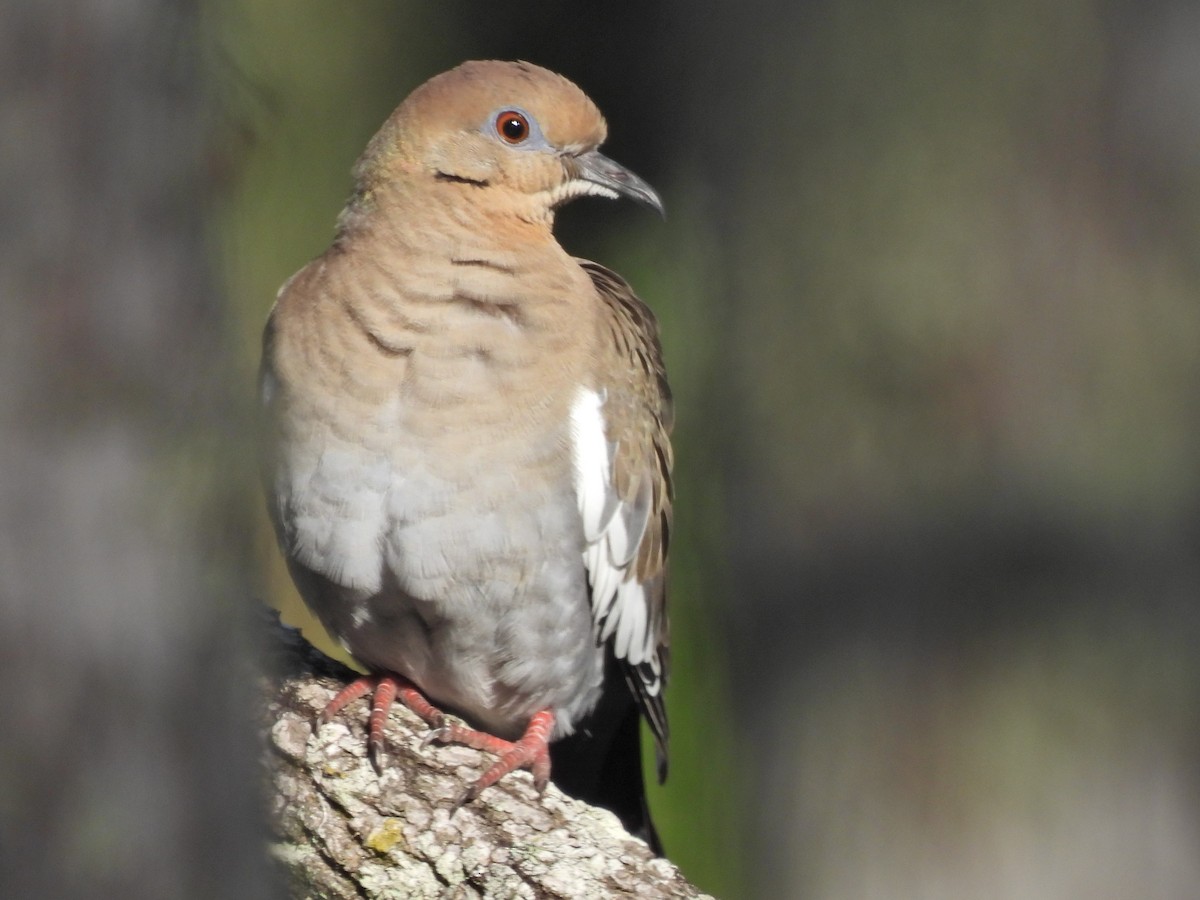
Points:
(530, 751)
(387, 688)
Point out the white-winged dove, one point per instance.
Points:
(468, 462)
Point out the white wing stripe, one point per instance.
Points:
(618, 601)
(592, 472)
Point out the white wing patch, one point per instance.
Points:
(613, 531)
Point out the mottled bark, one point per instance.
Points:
(342, 831)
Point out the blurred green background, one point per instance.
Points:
(928, 287)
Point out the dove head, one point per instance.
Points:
(511, 136)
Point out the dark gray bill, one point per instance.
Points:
(598, 169)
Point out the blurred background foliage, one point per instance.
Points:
(928, 287)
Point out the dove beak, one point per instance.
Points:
(609, 178)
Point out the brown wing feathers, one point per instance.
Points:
(639, 415)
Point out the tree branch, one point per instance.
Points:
(341, 831)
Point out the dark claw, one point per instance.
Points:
(464, 798)
(375, 754)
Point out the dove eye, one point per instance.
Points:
(512, 126)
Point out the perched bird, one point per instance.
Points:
(467, 461)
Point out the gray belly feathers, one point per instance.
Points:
(472, 588)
